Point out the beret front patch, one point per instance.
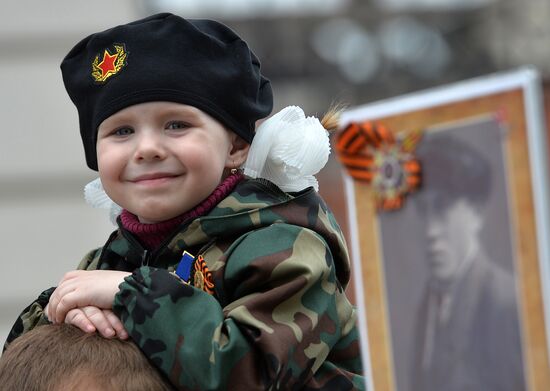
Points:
(106, 64)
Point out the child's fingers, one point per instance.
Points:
(83, 288)
(59, 303)
(66, 285)
(116, 324)
(100, 321)
(70, 275)
(67, 296)
(60, 306)
(52, 306)
(78, 318)
(47, 312)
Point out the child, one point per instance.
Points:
(223, 282)
(63, 358)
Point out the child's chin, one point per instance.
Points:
(156, 218)
(150, 219)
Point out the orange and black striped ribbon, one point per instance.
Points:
(352, 144)
(202, 276)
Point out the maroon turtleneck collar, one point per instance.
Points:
(152, 235)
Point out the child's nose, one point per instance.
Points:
(150, 147)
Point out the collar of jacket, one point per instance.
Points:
(254, 203)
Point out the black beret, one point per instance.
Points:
(164, 57)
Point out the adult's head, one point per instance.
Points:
(62, 358)
(456, 186)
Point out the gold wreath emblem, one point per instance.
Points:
(198, 280)
(110, 64)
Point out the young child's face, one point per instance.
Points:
(160, 159)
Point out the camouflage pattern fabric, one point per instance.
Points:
(278, 319)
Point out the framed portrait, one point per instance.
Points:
(447, 194)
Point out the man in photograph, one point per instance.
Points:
(467, 334)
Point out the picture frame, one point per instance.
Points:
(389, 247)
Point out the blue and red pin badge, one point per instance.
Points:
(183, 270)
(190, 266)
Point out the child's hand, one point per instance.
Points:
(90, 319)
(83, 288)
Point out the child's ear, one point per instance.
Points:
(238, 153)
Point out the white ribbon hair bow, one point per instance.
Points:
(95, 195)
(288, 150)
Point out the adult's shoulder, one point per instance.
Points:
(499, 285)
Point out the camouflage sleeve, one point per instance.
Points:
(279, 325)
(90, 260)
(33, 315)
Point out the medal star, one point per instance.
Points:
(108, 64)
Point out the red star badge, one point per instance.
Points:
(110, 65)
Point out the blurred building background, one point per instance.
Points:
(316, 52)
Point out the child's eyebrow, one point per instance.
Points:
(115, 121)
(187, 112)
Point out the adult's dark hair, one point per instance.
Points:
(62, 357)
(454, 168)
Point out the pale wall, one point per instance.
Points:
(46, 225)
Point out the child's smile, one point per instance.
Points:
(155, 179)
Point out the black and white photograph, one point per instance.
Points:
(453, 289)
(450, 268)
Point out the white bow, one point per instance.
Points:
(288, 150)
(95, 195)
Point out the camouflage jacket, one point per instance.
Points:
(278, 317)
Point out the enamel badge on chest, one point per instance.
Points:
(109, 63)
(194, 270)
